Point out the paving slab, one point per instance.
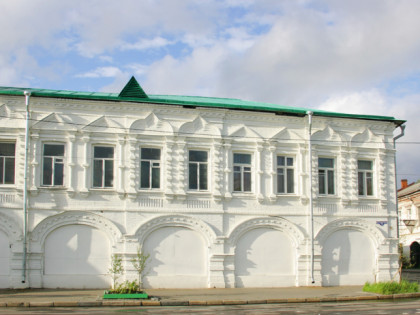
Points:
(173, 297)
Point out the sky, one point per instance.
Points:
(351, 56)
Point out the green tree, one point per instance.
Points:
(140, 263)
(116, 269)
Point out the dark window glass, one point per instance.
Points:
(290, 181)
(48, 171)
(193, 176)
(7, 163)
(104, 152)
(145, 174)
(325, 162)
(53, 165)
(198, 156)
(53, 150)
(321, 181)
(239, 158)
(150, 168)
(97, 174)
(150, 154)
(109, 173)
(203, 176)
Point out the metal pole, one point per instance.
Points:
(25, 188)
(311, 205)
(402, 127)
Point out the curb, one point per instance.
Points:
(123, 303)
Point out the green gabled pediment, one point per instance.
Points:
(132, 90)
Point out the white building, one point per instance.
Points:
(409, 215)
(218, 191)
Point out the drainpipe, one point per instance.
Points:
(311, 205)
(402, 127)
(25, 188)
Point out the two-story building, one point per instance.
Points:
(220, 192)
(409, 223)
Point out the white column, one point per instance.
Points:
(71, 164)
(120, 156)
(86, 165)
(228, 169)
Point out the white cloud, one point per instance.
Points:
(144, 44)
(102, 72)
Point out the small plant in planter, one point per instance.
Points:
(127, 289)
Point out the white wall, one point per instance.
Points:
(348, 257)
(178, 259)
(265, 258)
(76, 256)
(4, 260)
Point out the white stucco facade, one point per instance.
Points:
(197, 238)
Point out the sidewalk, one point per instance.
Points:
(172, 297)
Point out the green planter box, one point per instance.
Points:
(108, 295)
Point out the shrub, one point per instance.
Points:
(391, 287)
(127, 287)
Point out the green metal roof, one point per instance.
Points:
(133, 92)
(132, 89)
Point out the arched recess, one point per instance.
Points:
(10, 234)
(349, 250)
(76, 248)
(179, 251)
(266, 252)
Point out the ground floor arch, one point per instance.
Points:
(265, 257)
(348, 258)
(178, 258)
(4, 260)
(76, 256)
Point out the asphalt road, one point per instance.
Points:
(411, 306)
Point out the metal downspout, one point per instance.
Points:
(402, 127)
(25, 188)
(311, 205)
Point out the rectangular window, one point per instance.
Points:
(365, 177)
(197, 170)
(7, 163)
(241, 172)
(285, 175)
(326, 176)
(149, 168)
(103, 167)
(53, 165)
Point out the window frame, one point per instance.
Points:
(151, 168)
(103, 170)
(5, 168)
(53, 165)
(327, 171)
(364, 182)
(285, 169)
(198, 165)
(242, 172)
